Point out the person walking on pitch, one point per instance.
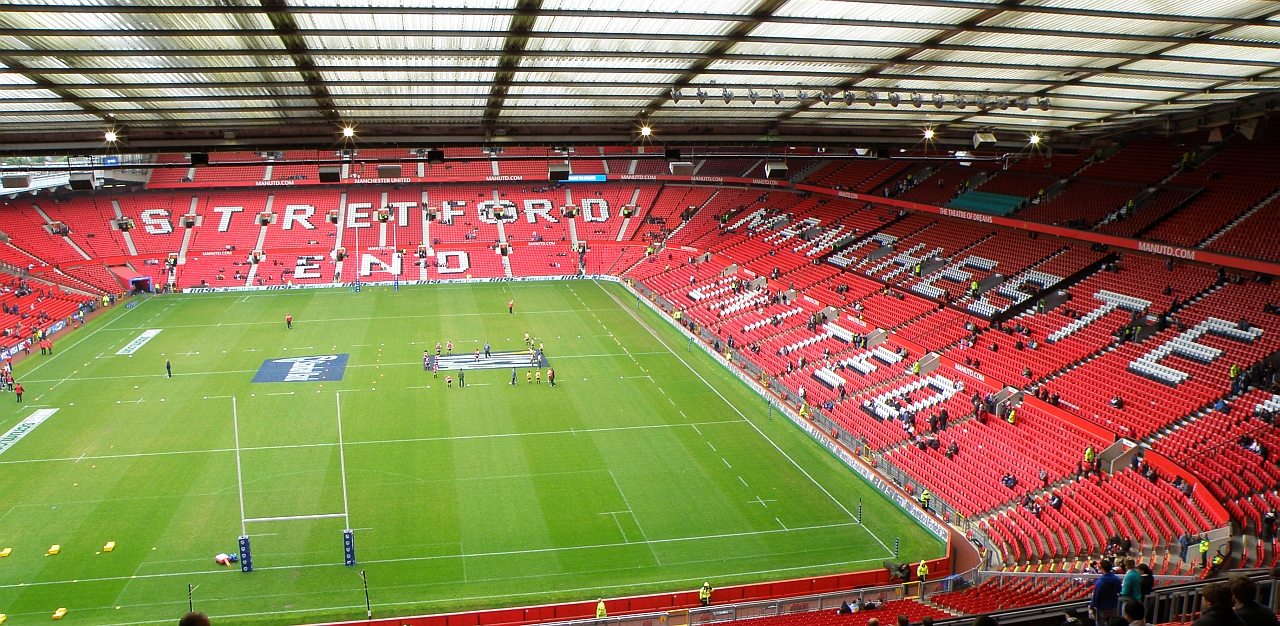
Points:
(168, 369)
(288, 322)
(511, 306)
(513, 375)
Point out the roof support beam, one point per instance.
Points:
(512, 50)
(43, 82)
(278, 11)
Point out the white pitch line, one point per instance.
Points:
(235, 420)
(282, 393)
(744, 482)
(739, 412)
(726, 462)
(353, 319)
(634, 518)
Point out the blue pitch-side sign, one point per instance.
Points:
(302, 369)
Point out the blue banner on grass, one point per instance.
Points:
(302, 369)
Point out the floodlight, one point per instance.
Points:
(110, 136)
(849, 98)
(728, 95)
(675, 95)
(348, 131)
(1023, 103)
(1003, 102)
(939, 100)
(894, 99)
(1034, 139)
(752, 95)
(1044, 104)
(801, 96)
(961, 101)
(702, 95)
(826, 97)
(928, 133)
(916, 100)
(872, 97)
(777, 96)
(645, 131)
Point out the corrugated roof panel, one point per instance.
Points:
(141, 41)
(846, 33)
(14, 79)
(34, 107)
(424, 91)
(394, 103)
(1187, 67)
(1209, 8)
(583, 77)
(1094, 103)
(783, 66)
(943, 71)
(1235, 53)
(440, 4)
(607, 24)
(864, 113)
(1253, 33)
(662, 6)
(606, 63)
(1096, 90)
(876, 11)
(1154, 82)
(1014, 57)
(29, 119)
(406, 75)
(765, 82)
(587, 45)
(393, 41)
(391, 22)
(27, 93)
(407, 63)
(950, 87)
(552, 103)
(1016, 42)
(106, 19)
(1091, 24)
(586, 89)
(1000, 121)
(833, 49)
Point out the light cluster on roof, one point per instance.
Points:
(984, 102)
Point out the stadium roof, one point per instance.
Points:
(237, 73)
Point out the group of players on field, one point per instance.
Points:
(531, 376)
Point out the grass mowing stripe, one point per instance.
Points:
(744, 417)
(363, 319)
(237, 449)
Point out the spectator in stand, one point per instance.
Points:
(981, 620)
(1131, 585)
(1217, 607)
(1245, 593)
(1106, 594)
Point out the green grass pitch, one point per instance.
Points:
(648, 468)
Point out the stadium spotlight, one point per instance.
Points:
(702, 95)
(777, 96)
(894, 98)
(645, 131)
(802, 96)
(928, 133)
(348, 131)
(961, 101)
(752, 95)
(1034, 139)
(939, 100)
(849, 98)
(1044, 104)
(110, 136)
(916, 100)
(675, 95)
(1003, 102)
(826, 97)
(1023, 103)
(872, 98)
(728, 95)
